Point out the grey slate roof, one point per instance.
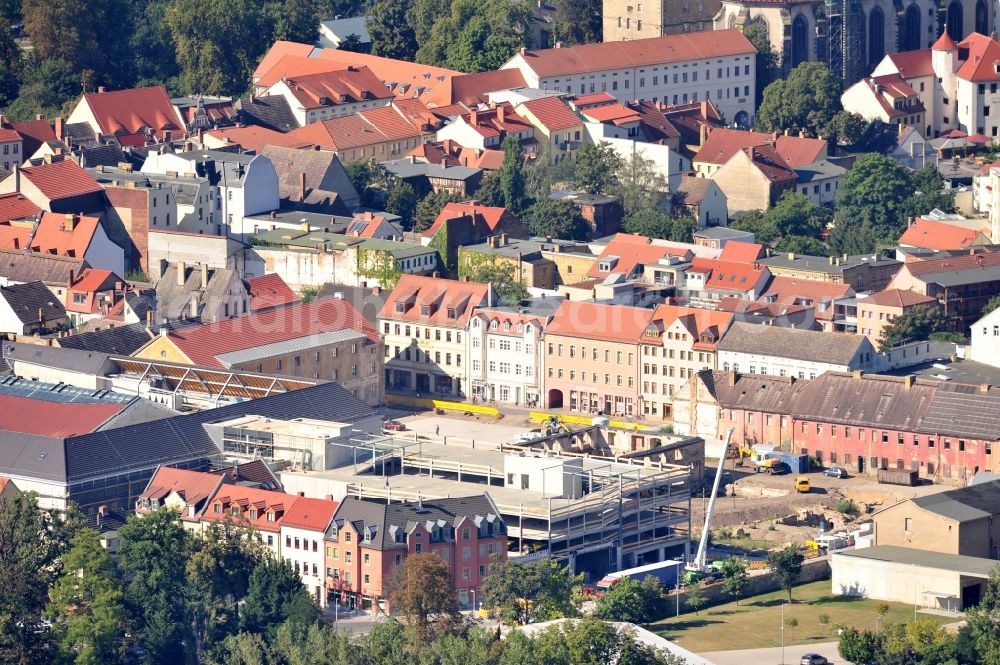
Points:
(871, 401)
(173, 301)
(328, 189)
(27, 300)
(120, 340)
(753, 392)
(964, 504)
(819, 170)
(405, 168)
(24, 266)
(33, 456)
(271, 112)
(287, 346)
(72, 360)
(344, 27)
(403, 516)
(965, 410)
(102, 155)
(832, 348)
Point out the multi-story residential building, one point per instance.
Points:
(592, 358)
(484, 129)
(138, 116)
(985, 337)
(877, 311)
(303, 529)
(331, 94)
(864, 272)
(677, 343)
(182, 490)
(367, 542)
(250, 508)
(506, 356)
(626, 20)
(757, 349)
(11, 147)
(423, 325)
(715, 65)
(556, 126)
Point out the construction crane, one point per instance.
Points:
(699, 566)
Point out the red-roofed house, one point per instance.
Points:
(505, 361)
(723, 144)
(77, 236)
(450, 153)
(592, 361)
(343, 90)
(473, 89)
(556, 126)
(876, 311)
(250, 508)
(742, 252)
(92, 294)
(788, 292)
(716, 279)
(11, 146)
(677, 343)
(325, 339)
(302, 531)
(35, 133)
(933, 234)
(187, 492)
(16, 206)
(436, 312)
(252, 137)
(269, 292)
(469, 223)
(754, 178)
(487, 128)
(61, 186)
(143, 114)
(628, 255)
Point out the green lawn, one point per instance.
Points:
(756, 622)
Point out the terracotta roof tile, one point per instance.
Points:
(53, 419)
(310, 514)
(195, 487)
(980, 65)
(741, 252)
(897, 298)
(931, 234)
(616, 113)
(440, 295)
(913, 64)
(54, 237)
(17, 206)
(342, 85)
(247, 498)
(633, 251)
(712, 324)
(33, 134)
(61, 180)
(129, 111)
(552, 113)
(269, 291)
(487, 216)
(472, 89)
(253, 137)
(8, 135)
(91, 280)
(799, 150)
(588, 320)
(921, 269)
(14, 237)
(636, 53)
(722, 144)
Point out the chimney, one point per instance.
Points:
(558, 44)
(17, 177)
(702, 134)
(163, 332)
(302, 186)
(376, 290)
(908, 381)
(204, 276)
(466, 279)
(149, 319)
(788, 132)
(58, 128)
(791, 256)
(194, 305)
(473, 117)
(201, 137)
(39, 116)
(100, 89)
(523, 51)
(70, 222)
(731, 377)
(181, 273)
(71, 278)
(503, 240)
(858, 374)
(41, 316)
(435, 274)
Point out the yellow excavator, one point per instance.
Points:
(758, 458)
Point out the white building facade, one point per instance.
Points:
(505, 356)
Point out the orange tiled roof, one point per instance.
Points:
(194, 487)
(61, 180)
(742, 252)
(129, 111)
(269, 291)
(14, 237)
(53, 237)
(358, 129)
(931, 234)
(253, 137)
(983, 56)
(490, 216)
(472, 89)
(632, 251)
(310, 514)
(897, 298)
(552, 113)
(440, 295)
(800, 150)
(616, 113)
(711, 323)
(246, 499)
(913, 64)
(343, 85)
(588, 320)
(90, 280)
(723, 143)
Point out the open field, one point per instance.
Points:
(756, 621)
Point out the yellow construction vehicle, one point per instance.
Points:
(758, 458)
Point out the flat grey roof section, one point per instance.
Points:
(964, 565)
(287, 346)
(72, 360)
(964, 504)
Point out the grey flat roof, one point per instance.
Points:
(964, 504)
(965, 565)
(819, 170)
(721, 233)
(513, 248)
(73, 360)
(822, 263)
(959, 371)
(404, 168)
(287, 346)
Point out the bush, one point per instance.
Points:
(848, 507)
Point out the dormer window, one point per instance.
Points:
(253, 513)
(218, 508)
(494, 324)
(270, 516)
(333, 532)
(400, 307)
(506, 326)
(451, 312)
(520, 327)
(425, 310)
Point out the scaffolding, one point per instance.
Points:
(846, 39)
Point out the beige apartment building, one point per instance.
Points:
(628, 19)
(877, 311)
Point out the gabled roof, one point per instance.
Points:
(741, 252)
(91, 280)
(706, 326)
(328, 188)
(21, 266)
(61, 180)
(359, 129)
(54, 234)
(472, 89)
(789, 290)
(928, 270)
(195, 487)
(496, 121)
(913, 64)
(246, 499)
(730, 276)
(54, 419)
(896, 298)
(205, 343)
(310, 514)
(268, 112)
(485, 217)
(32, 301)
(632, 251)
(33, 134)
(932, 234)
(439, 295)
(344, 84)
(588, 320)
(552, 113)
(121, 340)
(616, 114)
(723, 143)
(771, 164)
(983, 56)
(254, 137)
(132, 111)
(15, 236)
(821, 347)
(800, 150)
(267, 291)
(17, 206)
(637, 53)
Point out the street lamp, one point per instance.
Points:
(782, 634)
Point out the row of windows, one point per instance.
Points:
(405, 331)
(304, 567)
(763, 370)
(595, 376)
(423, 356)
(557, 349)
(304, 543)
(505, 368)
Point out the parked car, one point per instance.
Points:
(802, 485)
(835, 472)
(393, 426)
(530, 437)
(779, 469)
(813, 659)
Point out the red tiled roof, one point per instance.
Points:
(633, 250)
(799, 150)
(61, 180)
(897, 298)
(33, 134)
(329, 88)
(358, 129)
(592, 99)
(52, 236)
(310, 514)
(247, 498)
(17, 206)
(9, 135)
(730, 276)
(480, 214)
(722, 144)
(944, 43)
(472, 89)
(440, 294)
(129, 111)
(984, 54)
(552, 113)
(253, 137)
(741, 252)
(932, 234)
(14, 237)
(638, 52)
(913, 64)
(953, 263)
(488, 122)
(269, 291)
(277, 52)
(790, 292)
(771, 164)
(588, 320)
(193, 486)
(616, 113)
(91, 280)
(201, 344)
(698, 321)
(504, 316)
(291, 65)
(53, 419)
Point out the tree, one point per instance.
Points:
(402, 201)
(495, 270)
(796, 215)
(217, 45)
(153, 60)
(802, 245)
(632, 601)
(696, 597)
(991, 305)
(489, 191)
(755, 222)
(244, 649)
(275, 592)
(846, 128)
(477, 35)
(683, 227)
(859, 646)
(87, 612)
(294, 20)
(316, 643)
(430, 207)
(851, 237)
(154, 551)
(577, 22)
(422, 591)
(46, 85)
(527, 592)
(556, 219)
(32, 543)
(806, 101)
(596, 166)
(916, 323)
(511, 174)
(875, 190)
(390, 30)
(424, 14)
(766, 60)
(735, 577)
(352, 44)
(639, 186)
(786, 565)
(372, 182)
(928, 193)
(654, 223)
(386, 643)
